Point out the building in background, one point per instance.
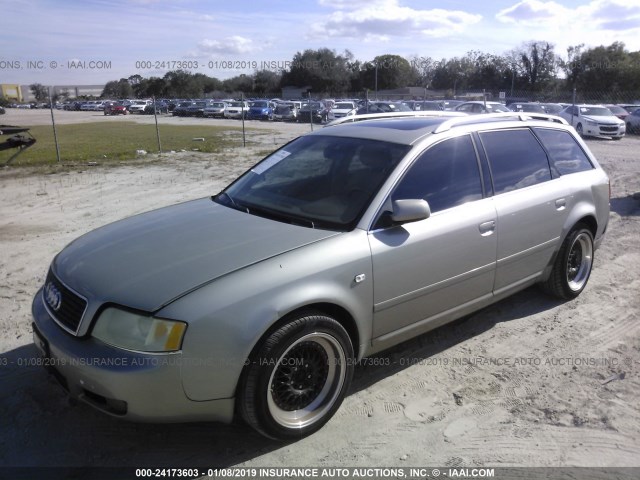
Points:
(10, 91)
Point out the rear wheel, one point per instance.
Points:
(298, 378)
(572, 267)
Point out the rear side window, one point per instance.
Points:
(565, 154)
(445, 175)
(516, 158)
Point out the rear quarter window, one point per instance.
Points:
(565, 154)
(516, 158)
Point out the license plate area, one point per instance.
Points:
(41, 343)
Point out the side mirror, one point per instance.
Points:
(412, 210)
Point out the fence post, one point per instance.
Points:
(244, 140)
(310, 112)
(155, 116)
(53, 122)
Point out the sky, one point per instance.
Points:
(87, 42)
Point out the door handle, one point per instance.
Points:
(561, 203)
(487, 228)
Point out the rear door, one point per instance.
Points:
(423, 270)
(532, 206)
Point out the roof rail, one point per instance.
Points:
(481, 118)
(373, 116)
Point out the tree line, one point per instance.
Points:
(532, 67)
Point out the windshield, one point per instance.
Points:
(260, 104)
(617, 110)
(597, 111)
(343, 106)
(316, 181)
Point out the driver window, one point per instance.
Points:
(446, 175)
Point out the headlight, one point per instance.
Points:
(592, 123)
(138, 332)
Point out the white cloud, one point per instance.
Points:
(234, 45)
(384, 19)
(598, 14)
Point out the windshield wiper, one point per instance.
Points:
(280, 216)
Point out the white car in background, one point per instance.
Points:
(594, 121)
(235, 109)
(138, 106)
(342, 109)
(88, 106)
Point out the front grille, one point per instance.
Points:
(608, 129)
(69, 308)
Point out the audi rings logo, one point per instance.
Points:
(52, 296)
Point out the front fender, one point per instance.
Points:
(227, 317)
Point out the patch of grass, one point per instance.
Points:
(109, 141)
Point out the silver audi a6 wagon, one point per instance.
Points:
(258, 301)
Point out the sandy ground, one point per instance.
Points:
(527, 382)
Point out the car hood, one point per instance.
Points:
(603, 119)
(148, 260)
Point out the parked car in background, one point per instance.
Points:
(318, 112)
(527, 107)
(618, 111)
(159, 107)
(630, 107)
(285, 111)
(181, 109)
(382, 107)
(594, 121)
(260, 301)
(260, 110)
(343, 108)
(197, 108)
(552, 108)
(633, 121)
(236, 109)
(115, 108)
(430, 105)
(450, 105)
(214, 109)
(138, 106)
(478, 107)
(88, 106)
(2, 110)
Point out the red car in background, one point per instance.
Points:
(115, 108)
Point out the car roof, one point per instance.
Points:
(408, 130)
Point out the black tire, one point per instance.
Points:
(298, 377)
(579, 130)
(572, 267)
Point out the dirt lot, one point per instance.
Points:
(527, 382)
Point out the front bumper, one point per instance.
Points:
(604, 131)
(130, 385)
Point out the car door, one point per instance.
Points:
(426, 269)
(532, 206)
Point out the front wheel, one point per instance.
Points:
(579, 129)
(298, 378)
(572, 267)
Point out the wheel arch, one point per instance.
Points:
(587, 219)
(337, 312)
